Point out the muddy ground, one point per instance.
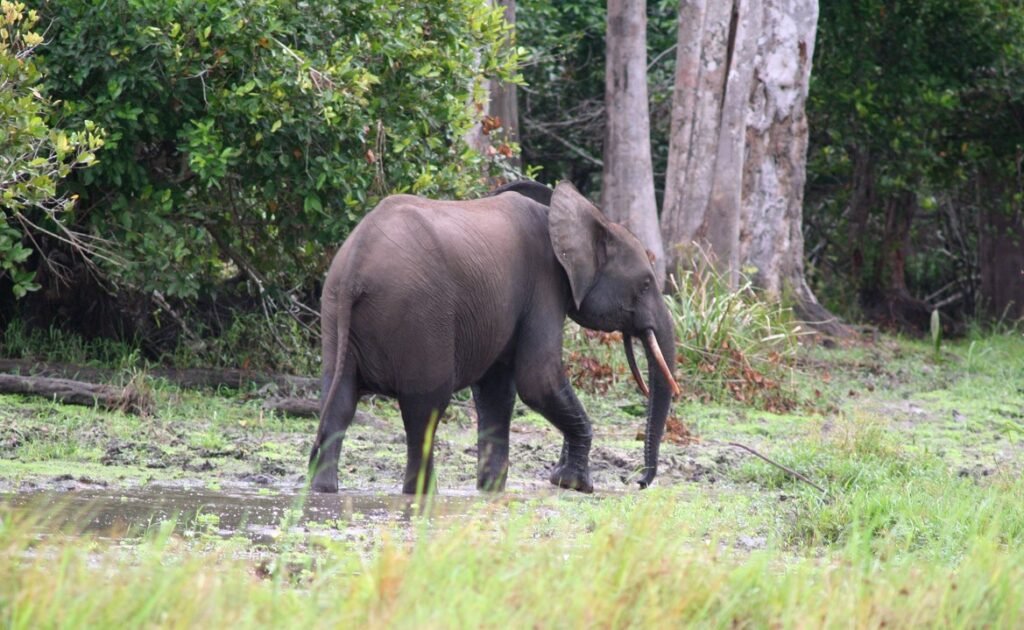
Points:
(373, 456)
(220, 453)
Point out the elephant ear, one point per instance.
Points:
(578, 234)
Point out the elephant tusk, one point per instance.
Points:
(627, 341)
(652, 345)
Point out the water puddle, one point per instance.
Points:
(259, 514)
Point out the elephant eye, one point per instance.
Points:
(645, 286)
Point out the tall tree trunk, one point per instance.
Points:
(1001, 253)
(504, 106)
(702, 64)
(738, 146)
(885, 298)
(861, 201)
(627, 194)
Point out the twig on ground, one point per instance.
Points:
(787, 469)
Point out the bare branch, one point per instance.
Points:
(779, 466)
(580, 151)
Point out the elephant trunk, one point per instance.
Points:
(659, 343)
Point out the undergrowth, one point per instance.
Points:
(251, 341)
(731, 345)
(55, 345)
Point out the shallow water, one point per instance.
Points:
(252, 512)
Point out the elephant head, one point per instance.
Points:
(614, 288)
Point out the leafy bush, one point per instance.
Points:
(34, 156)
(246, 138)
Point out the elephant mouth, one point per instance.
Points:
(654, 351)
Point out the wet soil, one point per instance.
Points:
(258, 514)
(251, 477)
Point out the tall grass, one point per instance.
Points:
(53, 344)
(273, 342)
(732, 343)
(900, 542)
(625, 563)
(887, 502)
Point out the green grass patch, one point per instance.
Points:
(908, 558)
(922, 525)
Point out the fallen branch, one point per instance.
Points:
(778, 465)
(233, 378)
(193, 378)
(69, 392)
(307, 408)
(299, 407)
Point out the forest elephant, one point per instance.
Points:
(427, 297)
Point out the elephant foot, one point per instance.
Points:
(572, 478)
(325, 483)
(416, 485)
(491, 476)
(491, 484)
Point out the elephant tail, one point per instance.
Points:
(335, 319)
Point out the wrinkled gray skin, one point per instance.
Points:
(428, 297)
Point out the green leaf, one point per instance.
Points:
(245, 88)
(312, 204)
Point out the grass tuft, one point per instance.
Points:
(730, 343)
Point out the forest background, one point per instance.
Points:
(178, 174)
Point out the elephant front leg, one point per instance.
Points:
(495, 396)
(560, 406)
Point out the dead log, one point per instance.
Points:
(191, 378)
(26, 367)
(127, 399)
(307, 408)
(197, 378)
(300, 407)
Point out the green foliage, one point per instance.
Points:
(271, 343)
(731, 343)
(247, 340)
(247, 138)
(913, 113)
(34, 155)
(20, 342)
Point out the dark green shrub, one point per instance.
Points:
(246, 138)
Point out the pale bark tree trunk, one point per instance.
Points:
(627, 194)
(738, 146)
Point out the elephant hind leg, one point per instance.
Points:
(495, 396)
(421, 415)
(337, 408)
